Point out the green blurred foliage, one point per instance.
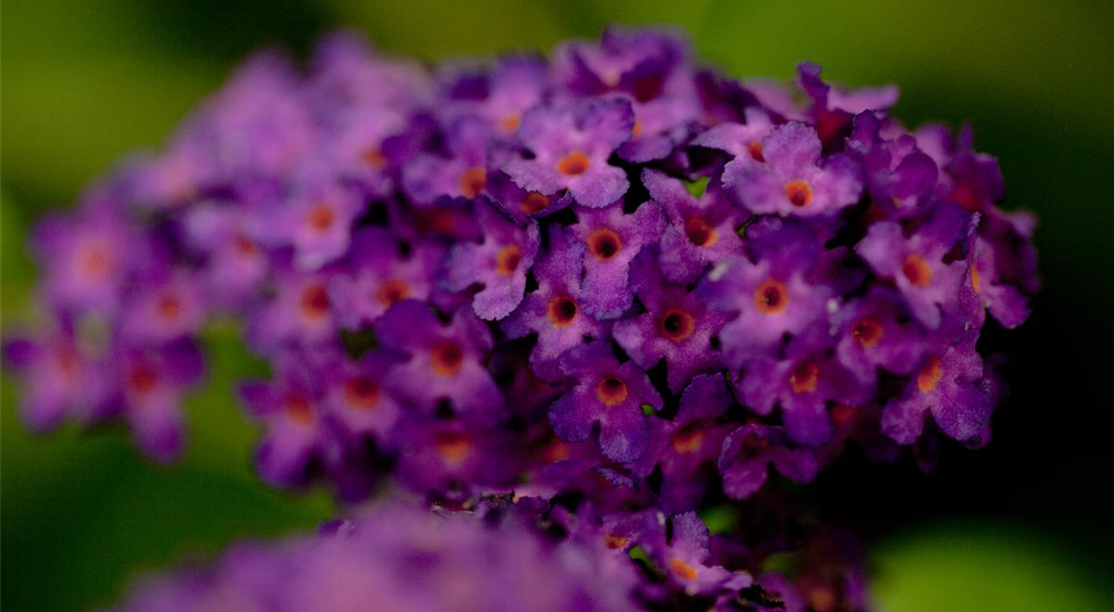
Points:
(85, 83)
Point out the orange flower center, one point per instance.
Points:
(245, 245)
(573, 164)
(975, 280)
(447, 358)
(473, 181)
(562, 311)
(391, 291)
(321, 217)
(533, 202)
(169, 307)
(604, 243)
(804, 377)
(688, 441)
(95, 261)
(916, 270)
(614, 541)
(142, 379)
(315, 301)
(867, 332)
(453, 447)
(771, 297)
(676, 325)
(636, 129)
(611, 391)
(374, 158)
(299, 409)
(682, 570)
(799, 193)
(930, 375)
(510, 122)
(754, 147)
(362, 392)
(699, 232)
(506, 262)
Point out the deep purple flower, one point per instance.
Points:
(701, 232)
(436, 456)
(444, 362)
(499, 263)
(748, 451)
(771, 301)
(460, 172)
(676, 326)
(292, 409)
(952, 385)
(916, 263)
(793, 179)
(875, 332)
(357, 396)
(376, 275)
(612, 240)
(1004, 267)
(685, 559)
(62, 378)
(85, 258)
(316, 219)
(554, 310)
(152, 381)
(739, 139)
(235, 263)
(570, 147)
(802, 384)
(609, 393)
(689, 442)
(299, 314)
(900, 178)
(164, 307)
(652, 69)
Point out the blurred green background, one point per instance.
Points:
(1020, 526)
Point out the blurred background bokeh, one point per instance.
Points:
(1023, 525)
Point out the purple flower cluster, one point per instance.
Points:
(612, 275)
(401, 558)
(508, 556)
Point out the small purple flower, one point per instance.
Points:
(445, 362)
(916, 263)
(439, 455)
(950, 384)
(803, 384)
(85, 258)
(357, 398)
(61, 379)
(612, 241)
(793, 179)
(570, 147)
(686, 559)
(748, 451)
(299, 314)
(1004, 266)
(609, 393)
(677, 326)
(292, 409)
(235, 264)
(700, 233)
(900, 178)
(772, 300)
(316, 219)
(460, 173)
(499, 95)
(875, 332)
(152, 383)
(832, 110)
(554, 310)
(689, 442)
(376, 275)
(738, 139)
(165, 307)
(499, 263)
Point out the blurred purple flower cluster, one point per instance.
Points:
(612, 276)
